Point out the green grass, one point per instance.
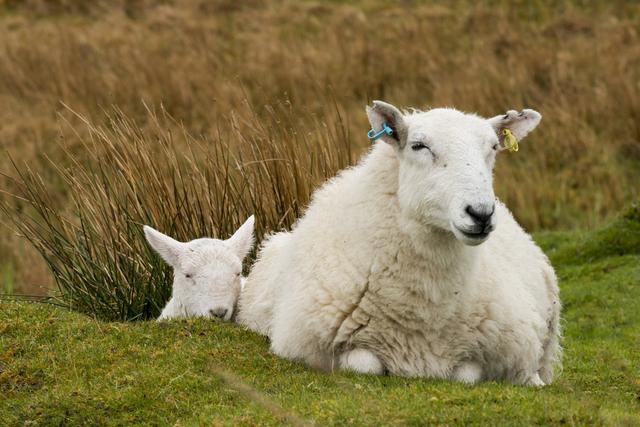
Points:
(59, 367)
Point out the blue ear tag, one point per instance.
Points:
(386, 130)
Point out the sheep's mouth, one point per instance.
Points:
(476, 236)
(471, 238)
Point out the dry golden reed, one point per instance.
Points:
(272, 94)
(187, 187)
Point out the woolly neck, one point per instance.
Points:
(429, 243)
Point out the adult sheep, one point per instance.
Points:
(398, 264)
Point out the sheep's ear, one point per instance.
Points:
(242, 240)
(519, 123)
(380, 112)
(168, 248)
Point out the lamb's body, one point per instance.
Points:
(358, 273)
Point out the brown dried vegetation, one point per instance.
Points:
(191, 115)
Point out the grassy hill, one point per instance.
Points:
(283, 85)
(59, 367)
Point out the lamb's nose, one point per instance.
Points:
(481, 214)
(219, 312)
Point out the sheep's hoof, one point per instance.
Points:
(535, 381)
(467, 373)
(361, 361)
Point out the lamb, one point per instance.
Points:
(399, 266)
(207, 273)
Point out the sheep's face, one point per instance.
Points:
(446, 161)
(206, 272)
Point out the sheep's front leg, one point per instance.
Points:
(170, 311)
(361, 361)
(468, 373)
(535, 381)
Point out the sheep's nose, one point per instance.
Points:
(219, 312)
(481, 214)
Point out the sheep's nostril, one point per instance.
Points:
(219, 312)
(480, 215)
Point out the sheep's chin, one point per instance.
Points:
(467, 238)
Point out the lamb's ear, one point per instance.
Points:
(380, 112)
(168, 248)
(242, 240)
(519, 123)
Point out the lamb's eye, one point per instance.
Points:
(495, 147)
(188, 275)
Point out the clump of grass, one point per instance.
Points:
(186, 186)
(618, 238)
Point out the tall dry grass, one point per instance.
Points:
(213, 66)
(187, 187)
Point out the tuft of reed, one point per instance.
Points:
(185, 186)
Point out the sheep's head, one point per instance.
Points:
(206, 272)
(446, 160)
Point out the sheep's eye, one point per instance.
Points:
(419, 146)
(495, 147)
(188, 275)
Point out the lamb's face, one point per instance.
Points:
(207, 278)
(446, 165)
(206, 272)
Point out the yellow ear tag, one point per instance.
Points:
(510, 142)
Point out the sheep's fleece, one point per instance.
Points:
(363, 283)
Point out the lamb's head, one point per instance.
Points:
(206, 272)
(446, 160)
